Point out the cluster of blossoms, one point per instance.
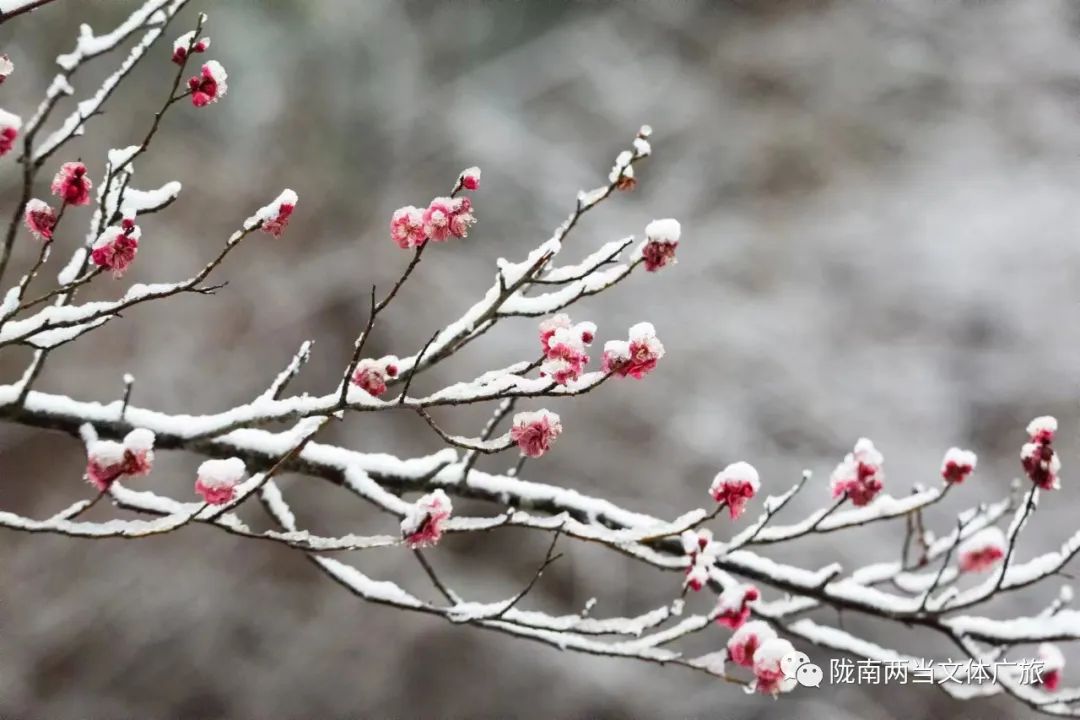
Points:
(734, 486)
(636, 357)
(661, 241)
(10, 124)
(564, 345)
(115, 248)
(755, 645)
(423, 524)
(443, 218)
(1038, 458)
(71, 184)
(216, 480)
(702, 551)
(107, 460)
(534, 432)
(210, 85)
(180, 46)
(371, 375)
(981, 551)
(859, 476)
(40, 219)
(957, 465)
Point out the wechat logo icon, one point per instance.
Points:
(797, 666)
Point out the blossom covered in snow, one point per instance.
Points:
(735, 485)
(275, 216)
(702, 551)
(407, 227)
(425, 520)
(769, 676)
(637, 357)
(981, 551)
(216, 480)
(733, 605)
(116, 247)
(40, 219)
(180, 46)
(564, 345)
(371, 375)
(210, 85)
(10, 124)
(446, 217)
(1038, 458)
(6, 68)
(470, 178)
(622, 173)
(860, 475)
(661, 241)
(1053, 663)
(107, 460)
(957, 465)
(535, 431)
(745, 641)
(72, 184)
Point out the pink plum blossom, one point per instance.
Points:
(768, 674)
(860, 475)
(981, 551)
(745, 641)
(407, 227)
(40, 218)
(733, 605)
(534, 432)
(661, 241)
(470, 178)
(180, 46)
(371, 375)
(735, 485)
(210, 85)
(957, 465)
(216, 480)
(107, 460)
(1038, 458)
(425, 520)
(10, 124)
(72, 184)
(115, 248)
(635, 358)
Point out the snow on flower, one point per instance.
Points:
(661, 241)
(423, 523)
(107, 460)
(860, 475)
(210, 85)
(622, 173)
(535, 431)
(40, 219)
(216, 480)
(733, 605)
(981, 551)
(768, 674)
(1053, 664)
(745, 641)
(116, 247)
(371, 375)
(1038, 458)
(470, 178)
(735, 485)
(564, 347)
(957, 465)
(180, 46)
(634, 358)
(407, 227)
(10, 124)
(71, 184)
(6, 67)
(445, 217)
(275, 216)
(702, 551)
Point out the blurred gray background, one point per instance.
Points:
(878, 204)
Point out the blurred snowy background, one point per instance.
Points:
(879, 203)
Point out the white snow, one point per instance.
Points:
(222, 473)
(666, 230)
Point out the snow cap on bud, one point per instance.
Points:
(702, 551)
(1053, 664)
(769, 676)
(371, 375)
(470, 178)
(425, 520)
(210, 85)
(534, 432)
(1042, 429)
(548, 326)
(116, 247)
(661, 241)
(216, 480)
(10, 124)
(1038, 457)
(745, 641)
(957, 465)
(6, 67)
(71, 184)
(735, 485)
(622, 173)
(981, 551)
(107, 461)
(407, 227)
(40, 219)
(860, 475)
(275, 216)
(180, 46)
(733, 605)
(637, 357)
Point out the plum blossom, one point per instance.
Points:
(446, 217)
(702, 551)
(733, 605)
(40, 218)
(769, 677)
(6, 67)
(210, 85)
(637, 357)
(72, 184)
(10, 124)
(1053, 664)
(371, 375)
(860, 475)
(107, 460)
(957, 465)
(407, 227)
(425, 520)
(981, 551)
(470, 178)
(1038, 458)
(180, 46)
(661, 241)
(216, 480)
(115, 248)
(564, 346)
(534, 432)
(275, 216)
(735, 485)
(745, 641)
